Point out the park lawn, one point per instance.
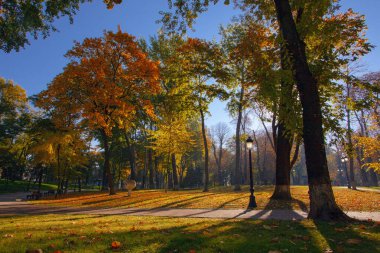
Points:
(20, 186)
(93, 233)
(349, 200)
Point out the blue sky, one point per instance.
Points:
(37, 64)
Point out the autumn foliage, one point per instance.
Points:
(107, 82)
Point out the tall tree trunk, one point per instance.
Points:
(322, 201)
(237, 175)
(40, 174)
(374, 179)
(217, 161)
(246, 170)
(283, 149)
(206, 175)
(156, 172)
(66, 185)
(350, 151)
(79, 184)
(58, 167)
(359, 151)
(104, 180)
(282, 141)
(363, 173)
(220, 176)
(260, 172)
(174, 171)
(132, 157)
(145, 171)
(372, 174)
(107, 166)
(151, 170)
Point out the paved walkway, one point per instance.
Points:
(9, 206)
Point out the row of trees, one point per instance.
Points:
(278, 59)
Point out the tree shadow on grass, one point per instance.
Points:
(353, 236)
(277, 210)
(163, 235)
(184, 202)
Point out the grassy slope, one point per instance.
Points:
(349, 200)
(19, 186)
(79, 233)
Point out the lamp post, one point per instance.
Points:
(344, 161)
(252, 200)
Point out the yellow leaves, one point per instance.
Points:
(370, 146)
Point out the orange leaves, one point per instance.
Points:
(115, 245)
(107, 81)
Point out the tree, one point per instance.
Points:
(219, 137)
(21, 19)
(365, 102)
(199, 63)
(106, 82)
(322, 201)
(60, 149)
(14, 119)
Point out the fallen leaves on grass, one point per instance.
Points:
(8, 236)
(115, 245)
(28, 236)
(353, 241)
(221, 198)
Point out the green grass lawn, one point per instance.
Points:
(20, 186)
(83, 233)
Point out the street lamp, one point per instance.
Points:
(252, 200)
(344, 160)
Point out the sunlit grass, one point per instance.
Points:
(224, 198)
(83, 233)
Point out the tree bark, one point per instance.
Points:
(359, 151)
(107, 166)
(206, 176)
(174, 171)
(283, 149)
(58, 167)
(237, 175)
(156, 172)
(40, 174)
(374, 179)
(220, 179)
(322, 201)
(79, 184)
(260, 172)
(131, 156)
(151, 170)
(283, 143)
(350, 145)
